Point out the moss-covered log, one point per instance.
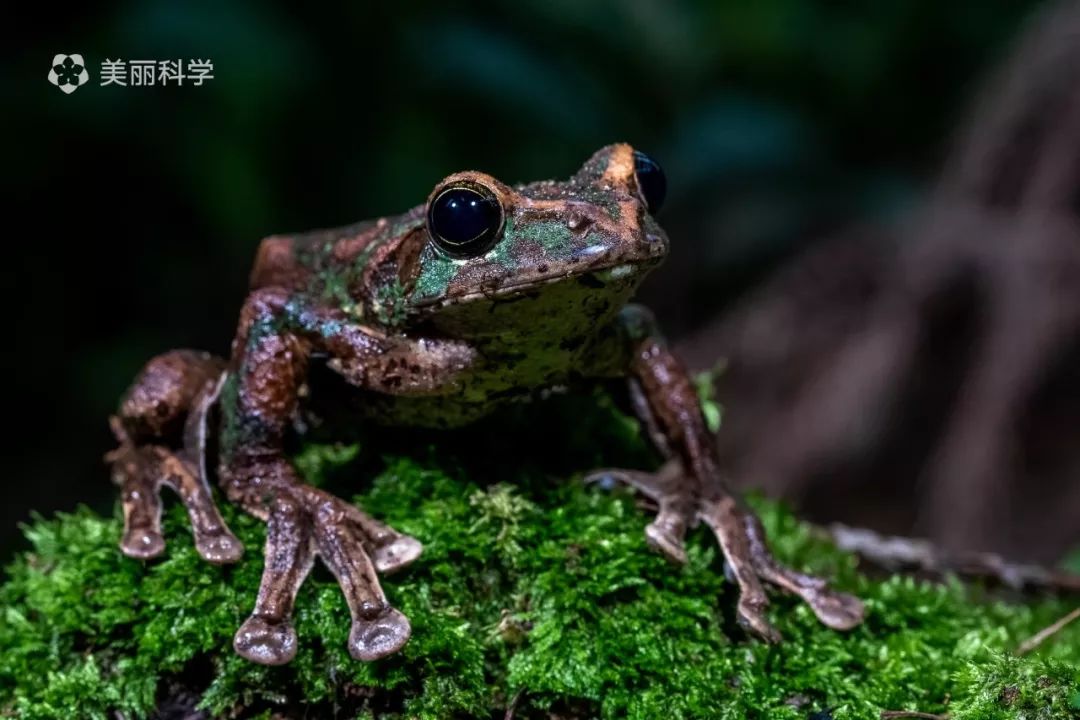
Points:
(533, 589)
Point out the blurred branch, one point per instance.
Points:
(1040, 637)
(906, 554)
(952, 340)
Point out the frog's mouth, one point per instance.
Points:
(596, 279)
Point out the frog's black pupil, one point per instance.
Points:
(651, 180)
(463, 220)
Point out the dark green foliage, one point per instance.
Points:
(777, 121)
(529, 582)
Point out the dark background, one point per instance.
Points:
(136, 211)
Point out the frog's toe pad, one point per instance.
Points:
(265, 642)
(380, 636)
(397, 554)
(142, 543)
(219, 549)
(838, 610)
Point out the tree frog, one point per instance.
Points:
(484, 294)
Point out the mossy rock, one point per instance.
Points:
(531, 586)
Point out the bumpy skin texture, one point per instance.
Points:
(427, 339)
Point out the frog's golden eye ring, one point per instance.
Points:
(464, 219)
(650, 180)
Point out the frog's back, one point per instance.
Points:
(296, 261)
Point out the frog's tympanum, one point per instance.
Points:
(483, 295)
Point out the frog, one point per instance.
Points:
(485, 294)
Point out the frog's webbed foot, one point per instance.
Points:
(742, 540)
(665, 532)
(303, 522)
(142, 471)
(837, 610)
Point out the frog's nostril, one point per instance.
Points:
(578, 222)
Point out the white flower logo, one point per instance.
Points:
(68, 72)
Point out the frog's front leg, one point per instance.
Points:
(277, 334)
(690, 488)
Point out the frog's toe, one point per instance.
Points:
(396, 554)
(142, 538)
(750, 614)
(655, 486)
(304, 522)
(382, 635)
(668, 488)
(142, 543)
(142, 472)
(661, 536)
(344, 537)
(266, 641)
(834, 609)
(838, 610)
(220, 549)
(749, 561)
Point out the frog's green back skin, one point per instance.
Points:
(422, 338)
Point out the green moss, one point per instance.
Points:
(1033, 689)
(530, 582)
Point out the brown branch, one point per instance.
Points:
(912, 714)
(900, 553)
(512, 707)
(1040, 637)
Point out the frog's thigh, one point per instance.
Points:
(155, 405)
(148, 427)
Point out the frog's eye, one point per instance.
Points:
(464, 220)
(650, 180)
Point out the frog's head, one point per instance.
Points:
(492, 258)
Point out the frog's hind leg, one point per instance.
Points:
(690, 488)
(160, 426)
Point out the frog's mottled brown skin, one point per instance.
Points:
(426, 339)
